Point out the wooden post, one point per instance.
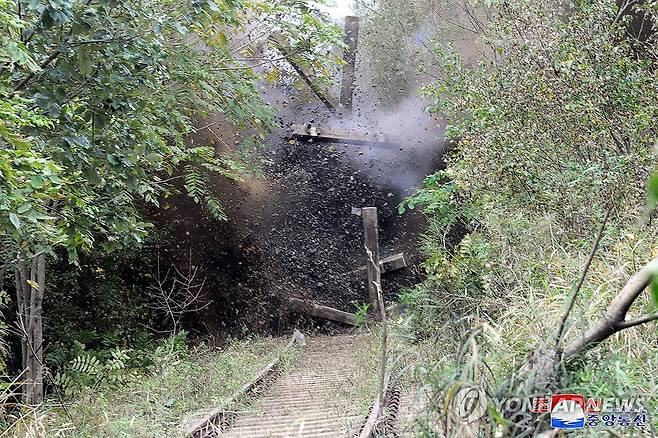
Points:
(351, 41)
(316, 133)
(371, 233)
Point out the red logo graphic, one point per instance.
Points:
(578, 399)
(593, 405)
(567, 411)
(541, 405)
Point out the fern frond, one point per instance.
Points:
(195, 184)
(215, 208)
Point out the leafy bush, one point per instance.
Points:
(87, 371)
(168, 396)
(97, 100)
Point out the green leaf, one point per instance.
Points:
(73, 255)
(79, 141)
(653, 187)
(20, 57)
(221, 39)
(653, 289)
(37, 181)
(24, 208)
(15, 220)
(154, 158)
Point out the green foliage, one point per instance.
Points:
(87, 371)
(548, 135)
(563, 128)
(100, 304)
(555, 123)
(442, 203)
(110, 366)
(97, 100)
(454, 264)
(362, 314)
(166, 397)
(310, 39)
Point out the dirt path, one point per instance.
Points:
(323, 395)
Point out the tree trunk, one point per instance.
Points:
(30, 277)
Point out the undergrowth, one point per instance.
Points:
(539, 156)
(162, 401)
(494, 297)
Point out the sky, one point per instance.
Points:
(338, 8)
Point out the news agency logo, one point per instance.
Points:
(567, 411)
(574, 411)
(469, 404)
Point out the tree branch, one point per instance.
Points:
(614, 319)
(581, 280)
(641, 320)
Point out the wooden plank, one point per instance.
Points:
(325, 312)
(311, 132)
(371, 234)
(351, 43)
(285, 50)
(393, 263)
(369, 428)
(387, 264)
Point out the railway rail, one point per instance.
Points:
(320, 395)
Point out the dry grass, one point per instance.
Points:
(163, 404)
(528, 285)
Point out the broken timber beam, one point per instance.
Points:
(392, 263)
(310, 132)
(387, 264)
(323, 311)
(371, 239)
(351, 42)
(288, 53)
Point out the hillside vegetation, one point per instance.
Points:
(540, 268)
(554, 132)
(99, 101)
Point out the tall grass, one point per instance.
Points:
(163, 403)
(487, 322)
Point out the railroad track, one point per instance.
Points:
(317, 398)
(324, 394)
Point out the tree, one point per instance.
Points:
(96, 100)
